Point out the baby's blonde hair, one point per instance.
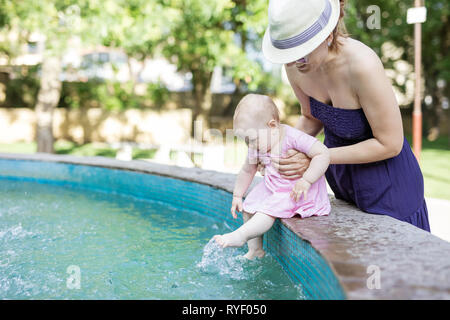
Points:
(259, 107)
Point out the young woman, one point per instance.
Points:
(342, 88)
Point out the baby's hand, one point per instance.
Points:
(237, 203)
(301, 186)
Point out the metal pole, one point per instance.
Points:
(417, 112)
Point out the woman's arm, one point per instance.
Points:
(306, 123)
(381, 109)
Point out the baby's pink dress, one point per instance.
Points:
(272, 195)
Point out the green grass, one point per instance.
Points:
(19, 147)
(89, 149)
(435, 158)
(435, 166)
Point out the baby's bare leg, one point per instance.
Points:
(255, 245)
(259, 224)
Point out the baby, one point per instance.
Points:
(256, 120)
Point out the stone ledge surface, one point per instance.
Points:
(413, 263)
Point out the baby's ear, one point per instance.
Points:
(272, 123)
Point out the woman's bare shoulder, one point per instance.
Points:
(371, 84)
(363, 60)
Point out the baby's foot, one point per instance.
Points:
(251, 254)
(232, 239)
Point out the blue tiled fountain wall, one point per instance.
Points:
(303, 264)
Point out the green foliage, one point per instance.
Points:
(394, 29)
(22, 91)
(158, 93)
(109, 95)
(198, 35)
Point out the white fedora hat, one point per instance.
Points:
(297, 27)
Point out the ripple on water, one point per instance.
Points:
(126, 248)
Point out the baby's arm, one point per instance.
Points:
(320, 160)
(244, 178)
(243, 181)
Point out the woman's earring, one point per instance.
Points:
(329, 43)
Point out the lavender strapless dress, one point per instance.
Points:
(392, 187)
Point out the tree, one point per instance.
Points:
(394, 29)
(249, 22)
(137, 28)
(203, 35)
(57, 21)
(50, 19)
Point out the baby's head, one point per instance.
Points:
(256, 119)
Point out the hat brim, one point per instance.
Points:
(282, 56)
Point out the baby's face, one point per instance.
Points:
(255, 124)
(257, 138)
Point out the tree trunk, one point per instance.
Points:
(201, 81)
(47, 100)
(239, 29)
(203, 96)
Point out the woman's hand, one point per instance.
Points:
(293, 165)
(237, 203)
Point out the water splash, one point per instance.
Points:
(14, 232)
(224, 261)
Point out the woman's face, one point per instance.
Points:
(313, 60)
